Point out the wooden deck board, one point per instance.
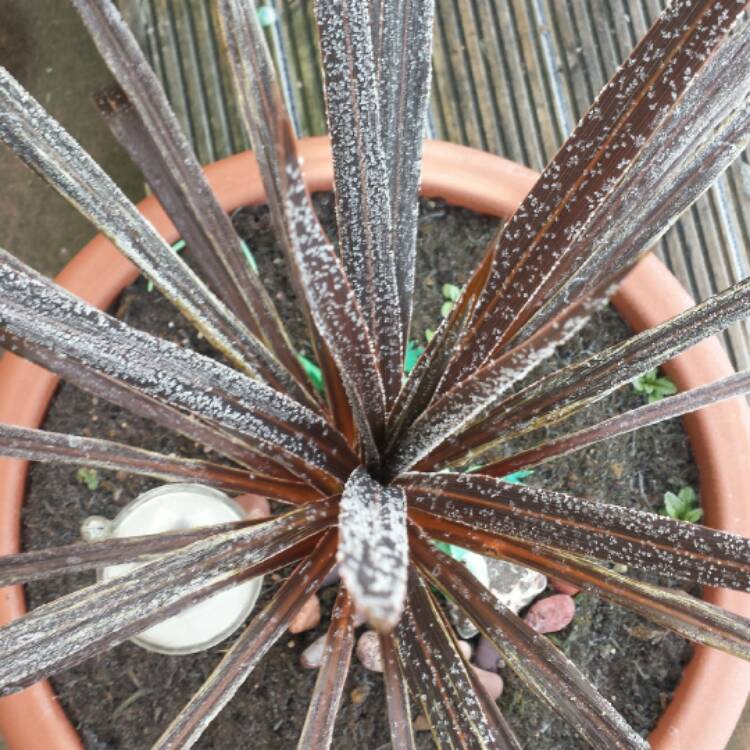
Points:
(510, 76)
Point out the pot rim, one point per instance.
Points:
(476, 180)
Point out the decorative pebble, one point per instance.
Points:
(360, 618)
(463, 625)
(491, 682)
(359, 694)
(332, 578)
(308, 617)
(420, 724)
(514, 586)
(368, 651)
(563, 587)
(465, 648)
(255, 506)
(312, 656)
(96, 528)
(551, 614)
(486, 656)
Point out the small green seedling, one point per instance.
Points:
(451, 294)
(176, 247)
(180, 244)
(249, 257)
(476, 563)
(89, 477)
(413, 353)
(654, 386)
(313, 372)
(682, 506)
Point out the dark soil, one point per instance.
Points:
(122, 700)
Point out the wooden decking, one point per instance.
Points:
(510, 76)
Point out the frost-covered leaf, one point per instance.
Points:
(563, 392)
(335, 309)
(54, 447)
(317, 732)
(402, 46)
(80, 625)
(440, 681)
(600, 530)
(142, 119)
(254, 642)
(533, 657)
(476, 396)
(240, 449)
(429, 370)
(361, 175)
(40, 312)
(49, 150)
(269, 127)
(396, 695)
(45, 563)
(670, 608)
(586, 175)
(373, 550)
(705, 131)
(688, 401)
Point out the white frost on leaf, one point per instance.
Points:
(373, 548)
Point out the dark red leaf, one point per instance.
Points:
(264, 630)
(536, 660)
(317, 733)
(563, 522)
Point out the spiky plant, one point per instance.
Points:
(372, 470)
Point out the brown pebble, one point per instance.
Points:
(255, 506)
(359, 694)
(308, 617)
(368, 651)
(563, 587)
(465, 648)
(551, 614)
(420, 724)
(491, 682)
(486, 655)
(312, 656)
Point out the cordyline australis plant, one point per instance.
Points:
(372, 469)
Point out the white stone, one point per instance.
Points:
(514, 586)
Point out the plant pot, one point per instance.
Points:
(714, 686)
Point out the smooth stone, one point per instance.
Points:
(312, 656)
(513, 585)
(551, 614)
(563, 587)
(486, 656)
(359, 694)
(332, 578)
(420, 724)
(465, 628)
(465, 649)
(368, 651)
(255, 506)
(491, 682)
(308, 617)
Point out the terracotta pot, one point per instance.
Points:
(714, 686)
